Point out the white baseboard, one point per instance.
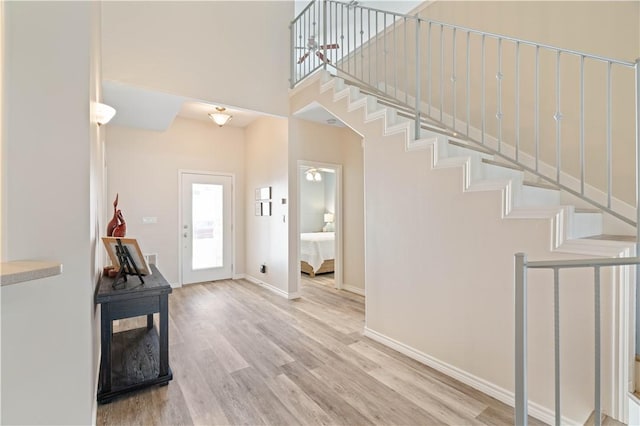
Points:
(501, 394)
(270, 287)
(239, 276)
(353, 289)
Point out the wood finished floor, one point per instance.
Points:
(241, 354)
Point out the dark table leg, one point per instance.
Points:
(106, 332)
(149, 321)
(164, 335)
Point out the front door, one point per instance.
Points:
(206, 227)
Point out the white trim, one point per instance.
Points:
(501, 394)
(239, 277)
(353, 289)
(233, 216)
(276, 290)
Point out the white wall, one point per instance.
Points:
(267, 236)
(229, 52)
(311, 142)
(49, 347)
(143, 168)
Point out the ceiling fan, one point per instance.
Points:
(313, 46)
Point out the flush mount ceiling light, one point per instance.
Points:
(220, 117)
(104, 113)
(313, 175)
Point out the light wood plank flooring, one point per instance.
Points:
(243, 355)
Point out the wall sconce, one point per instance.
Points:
(313, 175)
(104, 113)
(220, 117)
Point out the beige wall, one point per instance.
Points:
(311, 142)
(49, 345)
(230, 52)
(267, 236)
(143, 169)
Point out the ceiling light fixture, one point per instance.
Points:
(104, 113)
(313, 175)
(220, 117)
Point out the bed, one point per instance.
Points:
(317, 252)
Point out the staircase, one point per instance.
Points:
(453, 203)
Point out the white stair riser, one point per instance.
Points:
(586, 225)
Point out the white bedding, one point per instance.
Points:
(316, 247)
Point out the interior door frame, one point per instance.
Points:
(337, 219)
(233, 214)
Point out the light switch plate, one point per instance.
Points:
(150, 219)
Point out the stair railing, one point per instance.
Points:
(521, 267)
(538, 106)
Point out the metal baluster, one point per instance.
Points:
(441, 93)
(342, 36)
(429, 70)
(395, 59)
(292, 69)
(582, 125)
(330, 37)
(324, 34)
(482, 101)
(348, 44)
(536, 114)
(609, 171)
(499, 78)
(517, 101)
(355, 42)
(596, 289)
(406, 77)
(468, 82)
(377, 51)
(361, 46)
(453, 80)
(369, 43)
(521, 339)
(556, 339)
(558, 118)
(418, 80)
(384, 48)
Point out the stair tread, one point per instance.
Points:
(611, 237)
(501, 164)
(586, 210)
(540, 185)
(469, 146)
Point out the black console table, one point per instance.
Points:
(138, 358)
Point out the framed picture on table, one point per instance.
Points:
(132, 247)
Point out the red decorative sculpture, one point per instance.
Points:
(120, 230)
(117, 227)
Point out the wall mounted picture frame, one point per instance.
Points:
(263, 193)
(266, 208)
(132, 246)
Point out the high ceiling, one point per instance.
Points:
(152, 110)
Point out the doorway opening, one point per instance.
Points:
(320, 220)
